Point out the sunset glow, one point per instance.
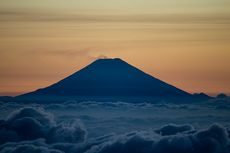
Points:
(185, 43)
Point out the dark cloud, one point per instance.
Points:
(34, 146)
(212, 140)
(71, 132)
(30, 123)
(172, 129)
(32, 130)
(73, 105)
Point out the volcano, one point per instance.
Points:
(110, 79)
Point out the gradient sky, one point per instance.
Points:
(183, 42)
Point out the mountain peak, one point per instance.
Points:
(105, 65)
(109, 60)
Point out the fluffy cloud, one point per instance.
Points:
(172, 129)
(212, 140)
(32, 130)
(30, 123)
(71, 132)
(33, 146)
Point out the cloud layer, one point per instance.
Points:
(115, 127)
(30, 123)
(212, 140)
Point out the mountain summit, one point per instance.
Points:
(112, 78)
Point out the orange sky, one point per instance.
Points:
(185, 43)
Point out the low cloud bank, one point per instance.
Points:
(33, 146)
(212, 140)
(33, 123)
(32, 130)
(172, 129)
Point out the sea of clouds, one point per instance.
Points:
(115, 127)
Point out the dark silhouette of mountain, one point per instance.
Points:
(221, 96)
(6, 98)
(110, 78)
(202, 96)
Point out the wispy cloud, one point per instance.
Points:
(39, 16)
(89, 53)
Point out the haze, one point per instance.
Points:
(185, 43)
